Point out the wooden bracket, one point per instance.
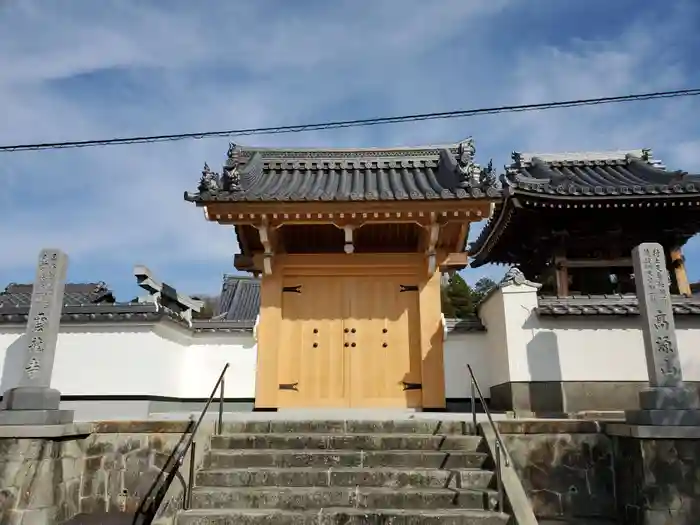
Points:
(264, 232)
(349, 244)
(433, 234)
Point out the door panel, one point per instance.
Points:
(311, 344)
(382, 347)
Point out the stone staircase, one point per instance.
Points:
(345, 472)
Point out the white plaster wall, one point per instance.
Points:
(140, 360)
(572, 348)
(461, 349)
(164, 361)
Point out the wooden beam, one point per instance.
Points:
(678, 262)
(455, 261)
(596, 263)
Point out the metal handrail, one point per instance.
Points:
(146, 509)
(500, 447)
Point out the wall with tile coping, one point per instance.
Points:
(519, 348)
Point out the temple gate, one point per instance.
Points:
(349, 244)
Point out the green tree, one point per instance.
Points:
(459, 300)
(482, 287)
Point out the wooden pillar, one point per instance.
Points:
(433, 367)
(561, 273)
(266, 379)
(678, 263)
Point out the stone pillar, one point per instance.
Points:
(667, 401)
(34, 402)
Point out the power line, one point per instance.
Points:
(353, 123)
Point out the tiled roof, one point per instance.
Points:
(594, 175)
(583, 305)
(581, 180)
(75, 294)
(240, 299)
(272, 175)
(468, 324)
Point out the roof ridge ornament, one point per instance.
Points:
(472, 176)
(210, 182)
(517, 158)
(231, 178)
(514, 276)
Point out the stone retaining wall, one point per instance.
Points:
(566, 467)
(98, 467)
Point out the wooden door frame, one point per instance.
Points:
(411, 265)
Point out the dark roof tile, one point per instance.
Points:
(75, 294)
(584, 305)
(273, 175)
(593, 175)
(240, 299)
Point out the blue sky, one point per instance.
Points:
(81, 69)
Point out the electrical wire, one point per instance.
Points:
(352, 123)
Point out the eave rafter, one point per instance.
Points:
(342, 218)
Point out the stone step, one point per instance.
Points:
(347, 442)
(346, 477)
(340, 517)
(410, 426)
(261, 458)
(307, 498)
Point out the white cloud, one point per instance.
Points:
(103, 69)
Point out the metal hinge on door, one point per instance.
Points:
(289, 386)
(292, 289)
(411, 386)
(408, 288)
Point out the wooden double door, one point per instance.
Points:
(350, 341)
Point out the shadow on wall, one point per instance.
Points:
(12, 367)
(545, 388)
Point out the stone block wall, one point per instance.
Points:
(658, 480)
(566, 467)
(40, 480)
(87, 468)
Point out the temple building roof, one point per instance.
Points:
(567, 186)
(595, 175)
(302, 175)
(239, 299)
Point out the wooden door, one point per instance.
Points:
(312, 363)
(382, 334)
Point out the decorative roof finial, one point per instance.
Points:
(231, 180)
(646, 154)
(517, 158)
(514, 276)
(209, 182)
(473, 177)
(234, 152)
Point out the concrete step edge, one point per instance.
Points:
(362, 489)
(349, 434)
(424, 470)
(336, 452)
(344, 510)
